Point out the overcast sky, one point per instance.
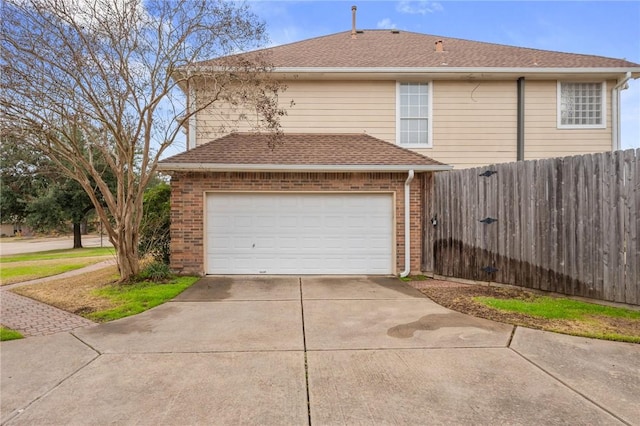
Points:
(605, 28)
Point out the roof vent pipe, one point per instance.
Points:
(439, 46)
(353, 21)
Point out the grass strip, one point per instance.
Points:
(567, 316)
(131, 299)
(8, 334)
(16, 272)
(59, 254)
(556, 308)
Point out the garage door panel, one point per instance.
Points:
(311, 222)
(240, 222)
(299, 233)
(266, 221)
(333, 222)
(286, 243)
(239, 242)
(287, 222)
(378, 244)
(333, 243)
(309, 243)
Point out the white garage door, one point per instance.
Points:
(299, 234)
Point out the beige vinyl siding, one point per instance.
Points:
(341, 107)
(474, 123)
(319, 107)
(543, 139)
(220, 119)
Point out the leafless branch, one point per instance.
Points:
(100, 83)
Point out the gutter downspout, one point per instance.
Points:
(520, 122)
(191, 132)
(615, 111)
(407, 227)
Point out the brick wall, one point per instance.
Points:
(188, 192)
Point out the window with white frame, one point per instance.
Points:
(581, 105)
(414, 114)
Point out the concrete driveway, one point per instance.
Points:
(315, 350)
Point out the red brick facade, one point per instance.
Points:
(188, 195)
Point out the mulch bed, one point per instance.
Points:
(459, 297)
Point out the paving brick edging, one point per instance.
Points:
(33, 318)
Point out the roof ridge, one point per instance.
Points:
(379, 48)
(489, 43)
(263, 49)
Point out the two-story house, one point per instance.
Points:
(372, 115)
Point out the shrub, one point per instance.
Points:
(155, 238)
(156, 272)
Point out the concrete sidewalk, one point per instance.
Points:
(315, 350)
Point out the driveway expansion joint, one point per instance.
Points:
(405, 348)
(306, 361)
(513, 333)
(571, 388)
(85, 343)
(210, 352)
(22, 410)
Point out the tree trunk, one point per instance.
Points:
(127, 256)
(128, 265)
(77, 236)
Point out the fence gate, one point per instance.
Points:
(569, 225)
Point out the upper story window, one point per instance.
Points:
(581, 105)
(413, 121)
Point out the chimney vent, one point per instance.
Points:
(439, 46)
(353, 21)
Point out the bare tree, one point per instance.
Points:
(116, 72)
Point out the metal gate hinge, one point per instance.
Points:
(488, 220)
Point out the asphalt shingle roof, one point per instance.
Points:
(300, 149)
(386, 48)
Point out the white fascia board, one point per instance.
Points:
(194, 70)
(498, 70)
(209, 167)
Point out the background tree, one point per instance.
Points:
(108, 70)
(22, 178)
(36, 193)
(63, 202)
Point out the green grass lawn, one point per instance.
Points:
(25, 267)
(556, 308)
(59, 254)
(8, 334)
(131, 299)
(573, 317)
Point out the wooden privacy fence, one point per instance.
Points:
(569, 225)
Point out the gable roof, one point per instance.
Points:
(300, 152)
(403, 49)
